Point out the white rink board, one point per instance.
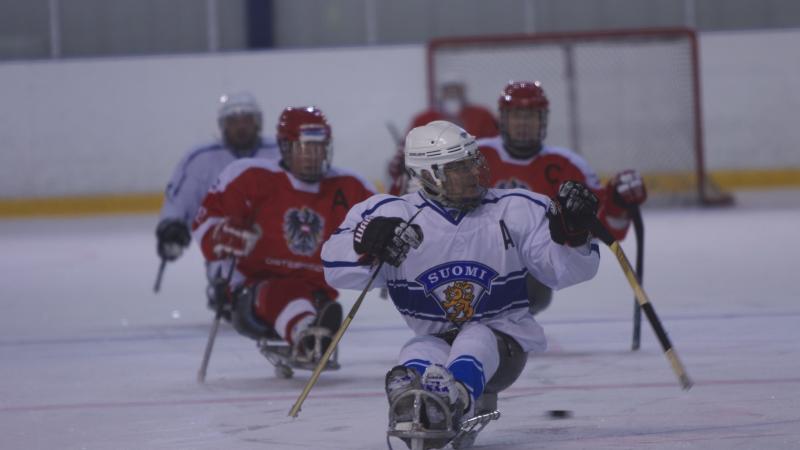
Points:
(120, 125)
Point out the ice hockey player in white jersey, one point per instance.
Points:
(240, 122)
(454, 257)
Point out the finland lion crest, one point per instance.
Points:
(302, 229)
(458, 287)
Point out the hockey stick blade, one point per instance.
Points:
(600, 232)
(638, 228)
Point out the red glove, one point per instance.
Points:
(627, 189)
(231, 238)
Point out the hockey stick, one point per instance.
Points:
(638, 228)
(332, 346)
(395, 133)
(600, 232)
(157, 286)
(338, 336)
(212, 335)
(399, 185)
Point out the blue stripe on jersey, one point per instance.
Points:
(595, 248)
(469, 371)
(340, 264)
(515, 194)
(507, 293)
(378, 205)
(442, 211)
(420, 365)
(340, 230)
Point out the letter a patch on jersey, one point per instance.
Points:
(507, 240)
(302, 229)
(340, 200)
(458, 287)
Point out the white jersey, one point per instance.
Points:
(470, 267)
(197, 171)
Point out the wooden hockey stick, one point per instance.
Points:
(212, 335)
(338, 336)
(332, 346)
(601, 233)
(638, 228)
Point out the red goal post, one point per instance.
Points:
(622, 99)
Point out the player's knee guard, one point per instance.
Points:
(244, 318)
(512, 362)
(539, 295)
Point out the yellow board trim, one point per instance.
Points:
(756, 179)
(727, 180)
(81, 205)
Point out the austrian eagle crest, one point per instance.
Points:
(302, 229)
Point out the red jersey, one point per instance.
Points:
(295, 217)
(476, 120)
(544, 173)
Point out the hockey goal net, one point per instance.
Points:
(622, 99)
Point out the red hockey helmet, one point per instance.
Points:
(304, 137)
(523, 109)
(523, 94)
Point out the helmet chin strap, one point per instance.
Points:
(463, 205)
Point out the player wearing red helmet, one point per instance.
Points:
(273, 218)
(518, 157)
(304, 137)
(523, 111)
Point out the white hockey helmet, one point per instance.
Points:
(238, 103)
(441, 149)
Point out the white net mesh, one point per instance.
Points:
(623, 100)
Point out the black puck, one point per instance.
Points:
(559, 413)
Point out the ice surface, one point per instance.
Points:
(90, 358)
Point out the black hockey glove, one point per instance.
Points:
(219, 297)
(388, 239)
(173, 236)
(571, 214)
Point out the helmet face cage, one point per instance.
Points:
(305, 140)
(523, 109)
(239, 120)
(523, 140)
(307, 160)
(464, 181)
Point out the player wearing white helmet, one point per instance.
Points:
(457, 253)
(239, 118)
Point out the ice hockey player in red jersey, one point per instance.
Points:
(518, 158)
(273, 218)
(452, 106)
